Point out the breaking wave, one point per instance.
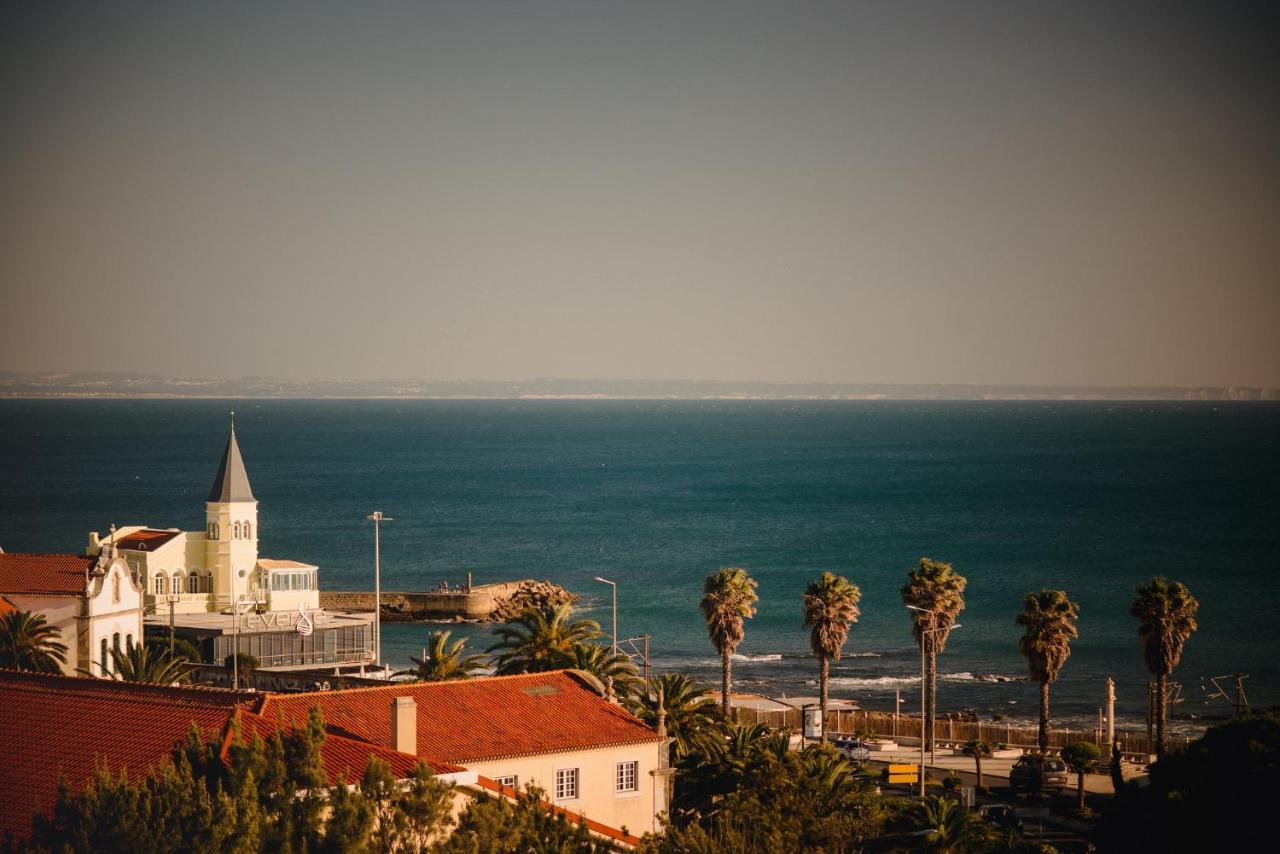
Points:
(775, 656)
(899, 681)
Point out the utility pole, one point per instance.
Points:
(377, 519)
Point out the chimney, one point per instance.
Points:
(404, 725)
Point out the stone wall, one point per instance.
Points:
(477, 604)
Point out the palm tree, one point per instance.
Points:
(1048, 619)
(728, 598)
(1081, 757)
(691, 717)
(935, 593)
(608, 667)
(830, 608)
(949, 823)
(1166, 613)
(139, 663)
(28, 642)
(536, 640)
(443, 661)
(978, 748)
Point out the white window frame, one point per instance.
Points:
(562, 784)
(512, 780)
(620, 775)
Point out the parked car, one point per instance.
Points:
(1051, 772)
(851, 748)
(1002, 816)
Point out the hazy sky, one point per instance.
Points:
(865, 192)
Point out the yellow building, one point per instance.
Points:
(212, 588)
(199, 572)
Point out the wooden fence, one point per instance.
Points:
(949, 731)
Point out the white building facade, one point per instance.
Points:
(92, 601)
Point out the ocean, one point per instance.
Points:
(1090, 497)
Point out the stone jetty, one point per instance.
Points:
(497, 602)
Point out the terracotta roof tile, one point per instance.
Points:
(344, 758)
(477, 719)
(54, 726)
(44, 574)
(145, 540)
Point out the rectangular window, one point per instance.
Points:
(624, 777)
(566, 784)
(509, 780)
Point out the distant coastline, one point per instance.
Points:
(117, 385)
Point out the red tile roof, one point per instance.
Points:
(7, 607)
(48, 575)
(344, 758)
(477, 719)
(54, 726)
(145, 540)
(592, 825)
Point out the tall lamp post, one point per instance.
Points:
(238, 608)
(923, 687)
(377, 519)
(614, 585)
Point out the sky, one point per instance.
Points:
(898, 192)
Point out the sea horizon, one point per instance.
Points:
(1092, 497)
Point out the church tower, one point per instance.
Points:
(231, 527)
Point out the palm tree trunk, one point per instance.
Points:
(824, 670)
(1160, 714)
(977, 760)
(1080, 791)
(1043, 739)
(726, 681)
(931, 706)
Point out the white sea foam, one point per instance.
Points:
(775, 656)
(898, 681)
(862, 655)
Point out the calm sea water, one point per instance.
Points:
(1089, 497)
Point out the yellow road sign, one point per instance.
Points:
(904, 778)
(904, 769)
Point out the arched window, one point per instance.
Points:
(162, 584)
(193, 582)
(213, 527)
(177, 581)
(105, 663)
(235, 530)
(247, 535)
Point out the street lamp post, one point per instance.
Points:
(377, 519)
(237, 609)
(614, 585)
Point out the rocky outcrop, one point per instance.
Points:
(535, 594)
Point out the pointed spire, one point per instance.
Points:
(232, 482)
